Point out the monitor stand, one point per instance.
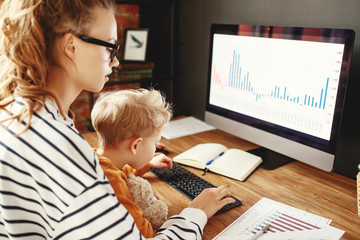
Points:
(271, 159)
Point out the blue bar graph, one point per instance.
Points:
(241, 80)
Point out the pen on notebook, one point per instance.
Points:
(259, 233)
(209, 162)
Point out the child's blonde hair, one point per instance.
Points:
(123, 114)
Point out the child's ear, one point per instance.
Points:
(134, 144)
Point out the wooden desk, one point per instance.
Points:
(299, 185)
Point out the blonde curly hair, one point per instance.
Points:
(28, 32)
(124, 114)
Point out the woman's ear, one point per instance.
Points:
(68, 45)
(134, 144)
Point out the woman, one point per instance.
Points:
(51, 183)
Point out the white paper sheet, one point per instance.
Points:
(185, 126)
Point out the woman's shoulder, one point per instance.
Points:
(51, 138)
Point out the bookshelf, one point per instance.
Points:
(161, 18)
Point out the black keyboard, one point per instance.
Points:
(188, 183)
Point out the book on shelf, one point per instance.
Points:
(136, 66)
(215, 157)
(126, 75)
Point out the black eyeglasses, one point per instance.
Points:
(99, 42)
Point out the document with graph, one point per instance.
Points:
(285, 222)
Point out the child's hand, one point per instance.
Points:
(161, 148)
(161, 161)
(161, 145)
(211, 200)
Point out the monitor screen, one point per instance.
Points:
(282, 88)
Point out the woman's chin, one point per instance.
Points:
(97, 89)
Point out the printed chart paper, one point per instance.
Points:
(286, 222)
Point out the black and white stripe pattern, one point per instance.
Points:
(52, 186)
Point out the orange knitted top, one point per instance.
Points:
(118, 179)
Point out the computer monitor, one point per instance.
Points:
(282, 88)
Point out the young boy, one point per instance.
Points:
(129, 125)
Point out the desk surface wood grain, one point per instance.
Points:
(299, 185)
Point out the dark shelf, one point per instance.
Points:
(161, 18)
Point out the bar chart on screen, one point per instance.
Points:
(285, 223)
(295, 87)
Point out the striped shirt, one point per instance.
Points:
(52, 186)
